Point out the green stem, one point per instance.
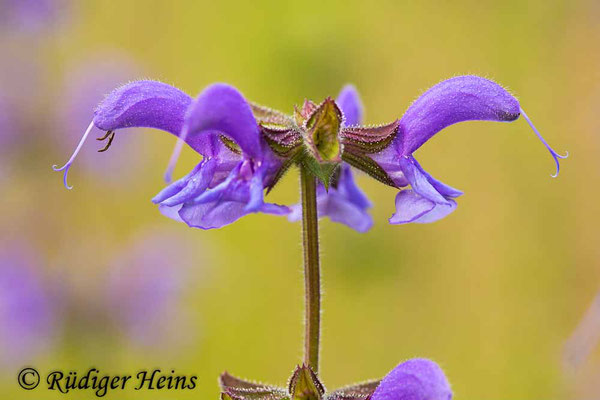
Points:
(312, 280)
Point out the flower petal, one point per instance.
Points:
(349, 102)
(256, 188)
(339, 209)
(148, 104)
(239, 194)
(189, 187)
(220, 213)
(348, 188)
(414, 208)
(222, 110)
(462, 98)
(416, 379)
(419, 181)
(442, 188)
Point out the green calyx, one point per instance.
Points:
(303, 385)
(321, 132)
(314, 138)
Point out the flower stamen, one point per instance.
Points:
(70, 162)
(554, 154)
(110, 135)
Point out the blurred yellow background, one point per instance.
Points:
(491, 293)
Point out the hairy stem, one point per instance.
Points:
(312, 280)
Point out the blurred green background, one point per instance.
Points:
(491, 293)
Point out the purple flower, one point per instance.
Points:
(416, 379)
(247, 148)
(144, 289)
(454, 100)
(26, 311)
(344, 202)
(237, 164)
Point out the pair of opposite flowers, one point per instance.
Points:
(247, 148)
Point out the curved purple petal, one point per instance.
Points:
(86, 85)
(220, 213)
(419, 181)
(458, 99)
(203, 202)
(428, 201)
(190, 186)
(222, 110)
(416, 379)
(255, 190)
(414, 208)
(349, 102)
(339, 209)
(149, 104)
(348, 188)
(440, 187)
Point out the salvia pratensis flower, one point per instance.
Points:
(229, 181)
(415, 379)
(455, 100)
(247, 148)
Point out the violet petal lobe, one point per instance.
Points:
(239, 194)
(349, 102)
(221, 109)
(419, 181)
(220, 213)
(348, 188)
(339, 209)
(149, 104)
(416, 379)
(458, 99)
(414, 208)
(442, 188)
(190, 186)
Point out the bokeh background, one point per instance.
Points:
(96, 277)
